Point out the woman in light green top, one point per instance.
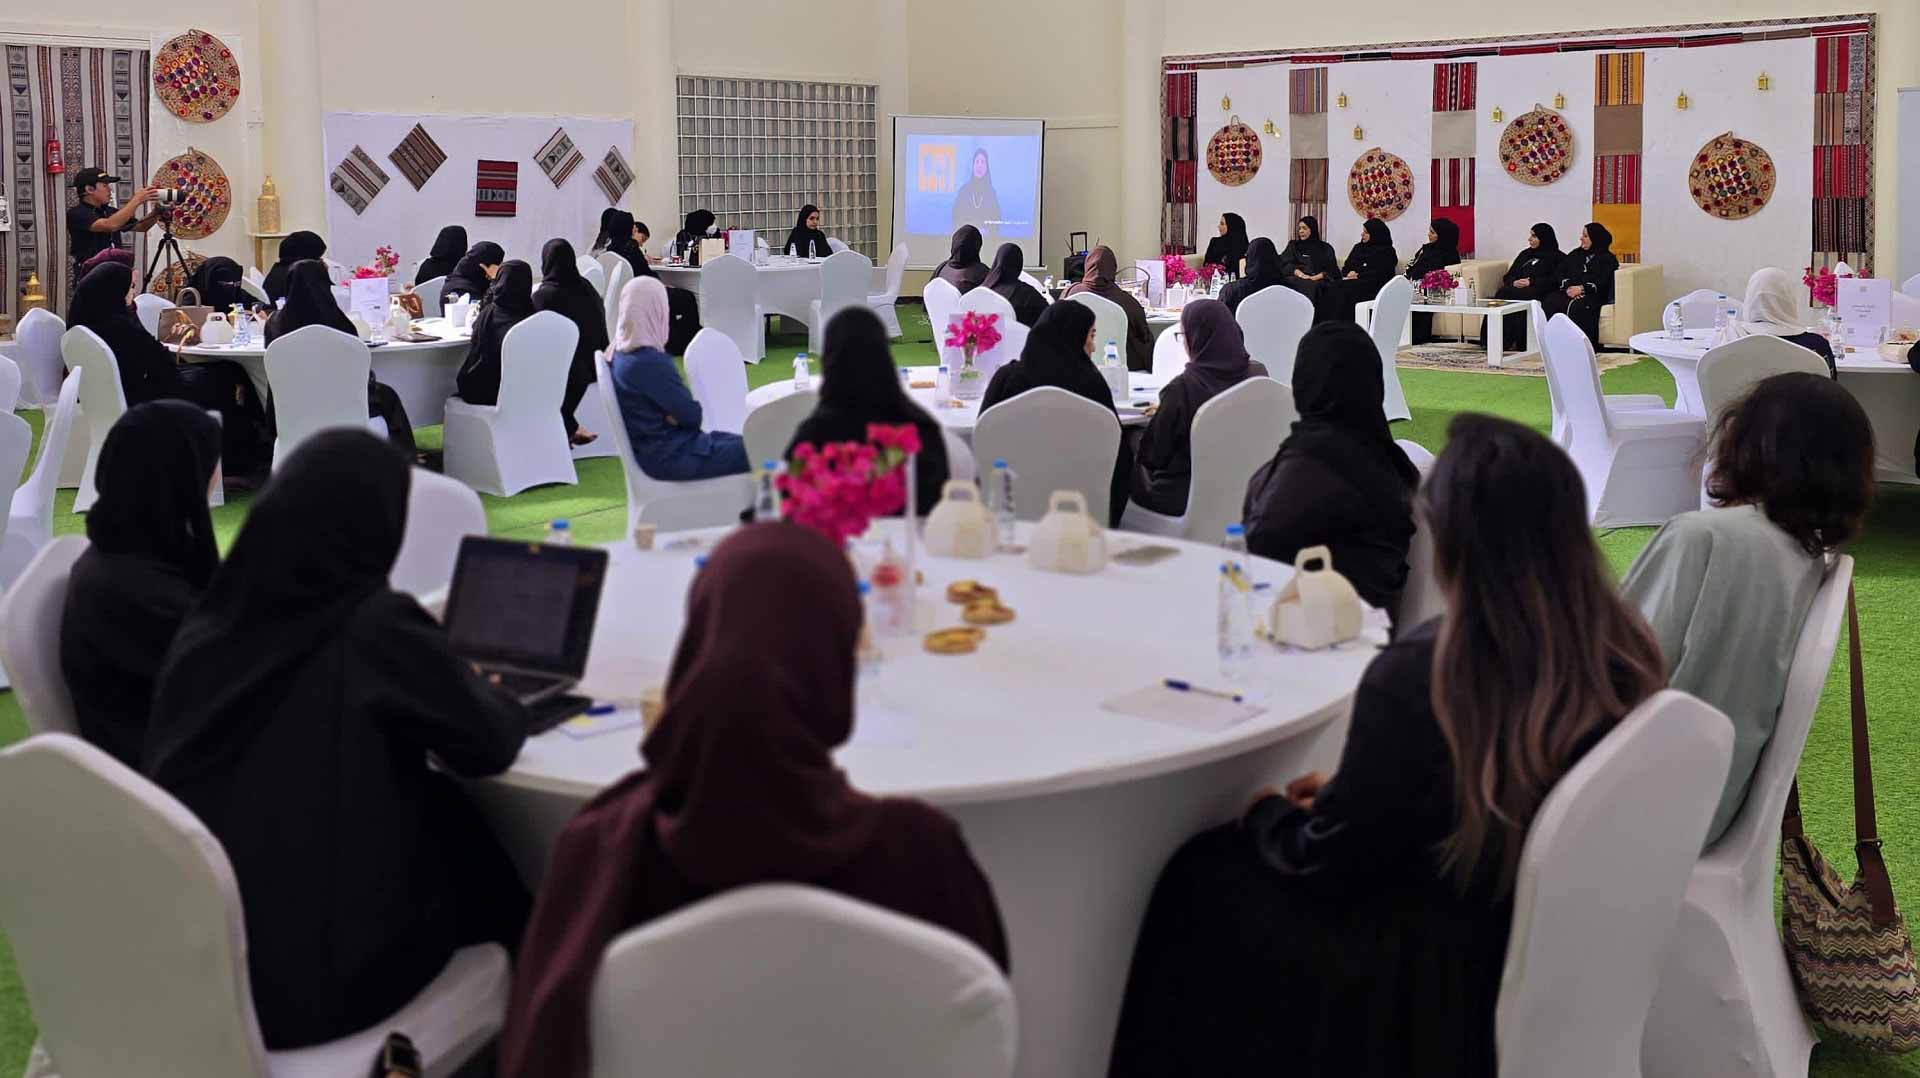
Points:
(1727, 589)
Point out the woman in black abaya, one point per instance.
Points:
(448, 246)
(806, 240)
(1230, 246)
(1441, 250)
(1586, 281)
(1531, 276)
(474, 273)
(1263, 271)
(1369, 265)
(963, 268)
(1004, 278)
(562, 289)
(310, 303)
(507, 304)
(297, 247)
(1308, 264)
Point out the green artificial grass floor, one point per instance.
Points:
(1887, 583)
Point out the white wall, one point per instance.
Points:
(1392, 102)
(1258, 94)
(1504, 208)
(1907, 179)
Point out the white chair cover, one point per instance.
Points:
(840, 988)
(595, 276)
(770, 428)
(1911, 286)
(1391, 309)
(9, 385)
(1109, 323)
(607, 261)
(728, 287)
(1232, 436)
(148, 307)
(1698, 306)
(1420, 600)
(429, 293)
(1034, 283)
(671, 506)
(889, 294)
(41, 370)
(1726, 1005)
(835, 244)
(617, 279)
(319, 379)
(519, 442)
(1601, 879)
(31, 612)
(29, 524)
(1729, 371)
(102, 401)
(105, 965)
(1053, 440)
(960, 464)
(1639, 467)
(1420, 455)
(16, 445)
(1169, 354)
(718, 378)
(844, 278)
(942, 300)
(1617, 402)
(440, 513)
(1273, 320)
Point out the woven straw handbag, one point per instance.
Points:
(1851, 955)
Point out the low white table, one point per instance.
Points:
(1496, 325)
(962, 416)
(1071, 809)
(422, 374)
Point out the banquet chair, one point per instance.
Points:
(519, 441)
(987, 301)
(1599, 889)
(1391, 309)
(883, 301)
(105, 965)
(29, 525)
(718, 378)
(840, 988)
(617, 280)
(429, 293)
(1034, 283)
(960, 464)
(102, 402)
(1109, 323)
(1273, 321)
(9, 385)
(440, 512)
(769, 429)
(1617, 402)
(1233, 434)
(255, 291)
(942, 300)
(148, 307)
(319, 380)
(844, 278)
(1911, 286)
(1698, 306)
(595, 276)
(1729, 371)
(1054, 440)
(1726, 1006)
(1420, 456)
(41, 369)
(1170, 354)
(729, 303)
(608, 260)
(16, 445)
(1639, 467)
(31, 612)
(835, 245)
(671, 505)
(1420, 599)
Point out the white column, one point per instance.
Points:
(290, 98)
(889, 40)
(655, 195)
(1142, 29)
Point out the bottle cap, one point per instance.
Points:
(802, 355)
(1236, 529)
(560, 525)
(999, 462)
(769, 465)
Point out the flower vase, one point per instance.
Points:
(969, 382)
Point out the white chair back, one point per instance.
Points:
(583, 261)
(835, 244)
(1273, 321)
(960, 464)
(1232, 436)
(1728, 371)
(9, 385)
(429, 293)
(1034, 283)
(30, 509)
(1697, 308)
(1109, 323)
(1420, 600)
(670, 506)
(1576, 381)
(728, 290)
(89, 947)
(896, 273)
(1601, 880)
(1420, 455)
(519, 441)
(717, 375)
(841, 988)
(609, 259)
(257, 291)
(1169, 354)
(595, 276)
(1911, 286)
(440, 512)
(844, 278)
(770, 428)
(1391, 309)
(987, 301)
(31, 612)
(1904, 311)
(148, 307)
(102, 400)
(319, 379)
(16, 445)
(617, 279)
(534, 357)
(942, 300)
(1562, 431)
(41, 370)
(1053, 440)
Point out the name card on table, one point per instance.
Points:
(740, 243)
(367, 297)
(1865, 305)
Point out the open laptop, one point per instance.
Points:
(524, 613)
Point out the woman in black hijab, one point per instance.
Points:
(1441, 250)
(977, 203)
(860, 385)
(562, 289)
(963, 268)
(1263, 271)
(1217, 362)
(1102, 266)
(448, 246)
(150, 371)
(508, 302)
(296, 715)
(474, 273)
(310, 302)
(1369, 265)
(1532, 275)
(297, 247)
(1338, 480)
(1585, 281)
(150, 555)
(698, 226)
(806, 239)
(218, 283)
(619, 233)
(1230, 246)
(1308, 264)
(1059, 352)
(1004, 278)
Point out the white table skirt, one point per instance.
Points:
(787, 288)
(962, 416)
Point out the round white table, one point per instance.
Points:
(1887, 389)
(422, 374)
(782, 286)
(1071, 809)
(961, 417)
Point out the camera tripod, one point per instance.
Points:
(167, 250)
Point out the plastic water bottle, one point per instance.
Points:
(801, 373)
(559, 533)
(1002, 498)
(1114, 372)
(766, 503)
(1720, 316)
(1676, 322)
(1837, 335)
(942, 385)
(1235, 613)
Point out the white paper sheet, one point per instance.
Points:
(1189, 710)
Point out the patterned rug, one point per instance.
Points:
(1470, 357)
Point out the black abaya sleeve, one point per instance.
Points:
(418, 690)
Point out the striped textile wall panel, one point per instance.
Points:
(1307, 143)
(1619, 95)
(1454, 146)
(1179, 162)
(1842, 160)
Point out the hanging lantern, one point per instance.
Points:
(55, 163)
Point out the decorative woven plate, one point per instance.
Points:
(1380, 185)
(1233, 153)
(196, 77)
(168, 282)
(1731, 178)
(205, 194)
(1537, 147)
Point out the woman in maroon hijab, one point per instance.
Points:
(740, 788)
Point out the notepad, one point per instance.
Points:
(1188, 710)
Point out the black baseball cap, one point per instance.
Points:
(87, 177)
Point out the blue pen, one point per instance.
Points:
(602, 709)
(1184, 686)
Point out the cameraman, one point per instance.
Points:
(93, 225)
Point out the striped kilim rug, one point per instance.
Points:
(1471, 358)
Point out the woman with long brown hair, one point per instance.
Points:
(1356, 925)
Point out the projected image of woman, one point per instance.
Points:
(977, 204)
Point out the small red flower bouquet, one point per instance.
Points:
(838, 489)
(1823, 285)
(385, 261)
(1439, 280)
(974, 332)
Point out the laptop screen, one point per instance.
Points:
(525, 605)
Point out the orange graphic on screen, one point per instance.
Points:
(937, 167)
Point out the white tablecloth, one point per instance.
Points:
(782, 287)
(1071, 809)
(961, 417)
(421, 374)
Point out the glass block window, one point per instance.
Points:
(755, 150)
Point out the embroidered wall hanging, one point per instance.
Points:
(1233, 153)
(206, 196)
(496, 189)
(196, 77)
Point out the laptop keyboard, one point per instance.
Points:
(553, 711)
(525, 685)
